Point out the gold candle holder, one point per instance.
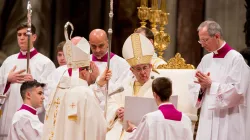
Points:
(143, 13)
(162, 39)
(154, 18)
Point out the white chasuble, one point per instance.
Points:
(73, 113)
(116, 101)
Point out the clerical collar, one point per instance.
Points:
(222, 51)
(167, 103)
(28, 108)
(23, 54)
(216, 51)
(104, 58)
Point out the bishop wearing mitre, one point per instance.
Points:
(73, 113)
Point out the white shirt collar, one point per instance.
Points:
(223, 44)
(30, 106)
(24, 52)
(167, 103)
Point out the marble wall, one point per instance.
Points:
(231, 15)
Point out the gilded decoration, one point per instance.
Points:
(177, 62)
(158, 18)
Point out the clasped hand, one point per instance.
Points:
(203, 79)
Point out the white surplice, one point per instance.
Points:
(25, 126)
(223, 105)
(73, 113)
(116, 101)
(40, 67)
(154, 126)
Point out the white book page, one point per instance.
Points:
(136, 107)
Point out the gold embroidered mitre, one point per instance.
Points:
(137, 49)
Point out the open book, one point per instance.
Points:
(136, 107)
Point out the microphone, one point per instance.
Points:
(120, 89)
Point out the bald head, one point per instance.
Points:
(76, 39)
(98, 42)
(98, 34)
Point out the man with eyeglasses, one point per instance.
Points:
(220, 88)
(73, 111)
(138, 52)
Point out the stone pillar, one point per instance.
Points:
(189, 16)
(231, 15)
(171, 29)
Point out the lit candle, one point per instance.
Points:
(154, 4)
(164, 6)
(144, 3)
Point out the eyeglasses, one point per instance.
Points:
(86, 68)
(203, 41)
(143, 68)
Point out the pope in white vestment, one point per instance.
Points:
(220, 89)
(40, 67)
(138, 51)
(73, 112)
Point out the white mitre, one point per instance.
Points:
(137, 49)
(77, 56)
